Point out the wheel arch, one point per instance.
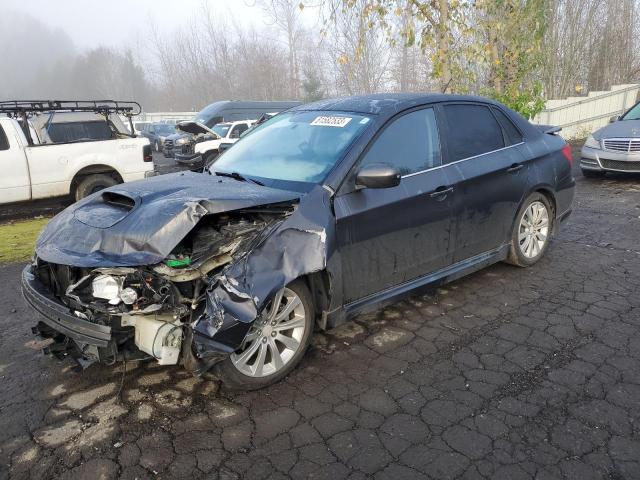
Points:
(92, 170)
(548, 193)
(319, 284)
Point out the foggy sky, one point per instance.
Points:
(115, 23)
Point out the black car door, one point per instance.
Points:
(393, 235)
(488, 173)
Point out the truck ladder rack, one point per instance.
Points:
(105, 107)
(22, 109)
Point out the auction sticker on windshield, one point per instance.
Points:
(331, 121)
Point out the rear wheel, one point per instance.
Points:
(593, 173)
(275, 344)
(92, 184)
(531, 231)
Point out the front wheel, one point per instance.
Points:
(531, 231)
(275, 344)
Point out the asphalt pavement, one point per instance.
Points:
(508, 373)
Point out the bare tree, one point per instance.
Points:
(285, 14)
(360, 51)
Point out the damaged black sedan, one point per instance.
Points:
(320, 213)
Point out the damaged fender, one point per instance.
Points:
(301, 244)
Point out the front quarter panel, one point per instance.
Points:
(300, 245)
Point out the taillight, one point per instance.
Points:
(147, 154)
(566, 151)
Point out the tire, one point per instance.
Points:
(530, 240)
(593, 173)
(233, 371)
(93, 183)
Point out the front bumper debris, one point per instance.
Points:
(57, 317)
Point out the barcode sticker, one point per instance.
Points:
(331, 121)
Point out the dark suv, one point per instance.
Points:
(320, 213)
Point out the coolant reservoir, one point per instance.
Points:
(160, 339)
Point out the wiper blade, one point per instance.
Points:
(237, 176)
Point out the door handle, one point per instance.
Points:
(441, 192)
(515, 167)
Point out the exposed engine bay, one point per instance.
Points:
(152, 309)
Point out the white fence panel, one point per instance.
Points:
(579, 116)
(165, 116)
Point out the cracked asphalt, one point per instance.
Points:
(509, 374)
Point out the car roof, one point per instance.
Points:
(387, 103)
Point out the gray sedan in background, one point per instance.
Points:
(157, 133)
(615, 147)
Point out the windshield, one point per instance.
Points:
(633, 114)
(293, 147)
(221, 129)
(165, 129)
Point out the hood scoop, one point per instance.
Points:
(106, 209)
(118, 199)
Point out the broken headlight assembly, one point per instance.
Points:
(110, 288)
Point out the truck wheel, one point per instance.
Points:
(92, 184)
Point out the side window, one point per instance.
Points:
(472, 130)
(511, 132)
(74, 131)
(4, 141)
(237, 130)
(410, 143)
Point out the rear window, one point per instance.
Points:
(4, 142)
(511, 132)
(79, 131)
(472, 130)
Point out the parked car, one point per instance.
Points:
(325, 211)
(204, 143)
(61, 152)
(224, 111)
(613, 148)
(157, 133)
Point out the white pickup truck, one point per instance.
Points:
(42, 167)
(205, 142)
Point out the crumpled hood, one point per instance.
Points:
(140, 223)
(196, 128)
(621, 128)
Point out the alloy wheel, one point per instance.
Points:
(274, 338)
(533, 231)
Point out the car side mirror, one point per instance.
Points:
(377, 175)
(615, 118)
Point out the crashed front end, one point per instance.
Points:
(109, 314)
(188, 301)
